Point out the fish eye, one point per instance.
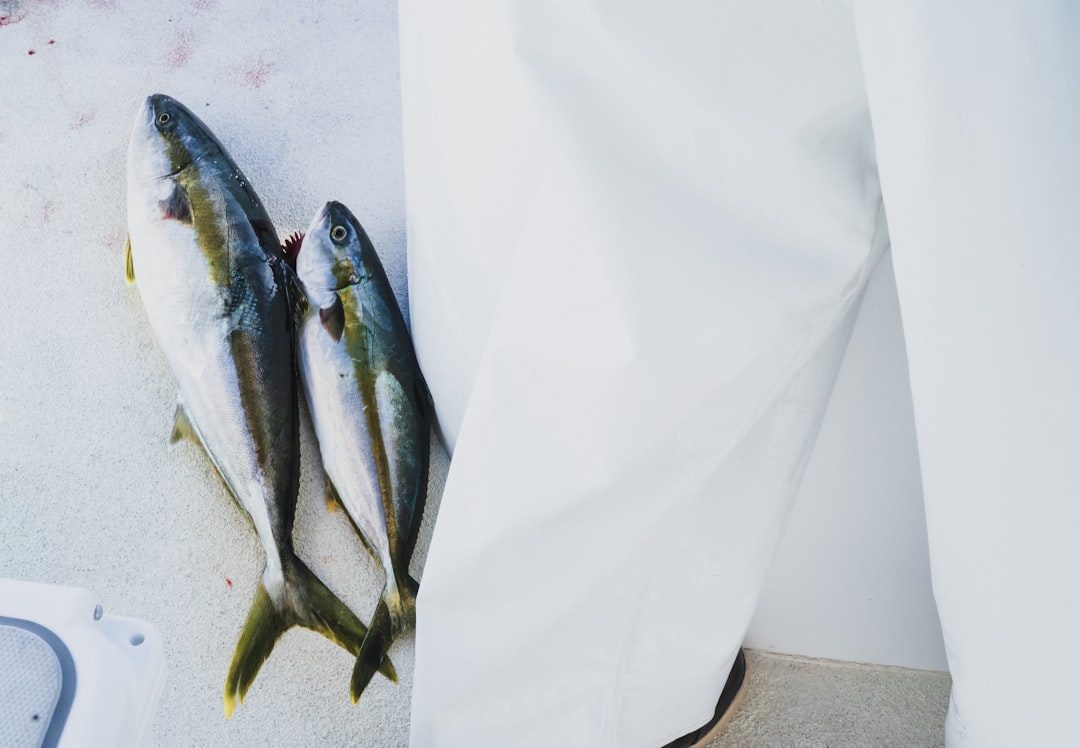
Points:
(163, 118)
(338, 233)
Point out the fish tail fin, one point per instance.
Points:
(396, 612)
(375, 646)
(263, 627)
(402, 604)
(303, 600)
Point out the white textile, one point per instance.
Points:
(638, 237)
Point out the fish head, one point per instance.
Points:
(166, 139)
(336, 251)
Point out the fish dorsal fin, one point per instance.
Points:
(129, 266)
(291, 248)
(333, 318)
(423, 392)
(177, 205)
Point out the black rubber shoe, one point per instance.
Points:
(730, 698)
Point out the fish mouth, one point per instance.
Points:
(160, 98)
(320, 220)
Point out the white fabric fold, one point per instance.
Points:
(638, 237)
(642, 362)
(976, 107)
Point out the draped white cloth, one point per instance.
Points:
(638, 237)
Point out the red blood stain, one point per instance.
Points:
(257, 76)
(8, 20)
(115, 240)
(83, 120)
(180, 51)
(228, 581)
(52, 41)
(31, 52)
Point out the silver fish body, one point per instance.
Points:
(370, 407)
(213, 283)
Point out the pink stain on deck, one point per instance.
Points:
(11, 19)
(115, 240)
(257, 76)
(178, 54)
(83, 120)
(47, 211)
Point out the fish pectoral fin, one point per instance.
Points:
(333, 318)
(129, 266)
(177, 205)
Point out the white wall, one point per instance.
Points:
(851, 578)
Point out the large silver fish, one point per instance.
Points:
(370, 407)
(213, 280)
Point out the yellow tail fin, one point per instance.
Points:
(303, 601)
(396, 612)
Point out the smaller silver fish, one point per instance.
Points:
(370, 407)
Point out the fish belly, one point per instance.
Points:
(189, 316)
(337, 412)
